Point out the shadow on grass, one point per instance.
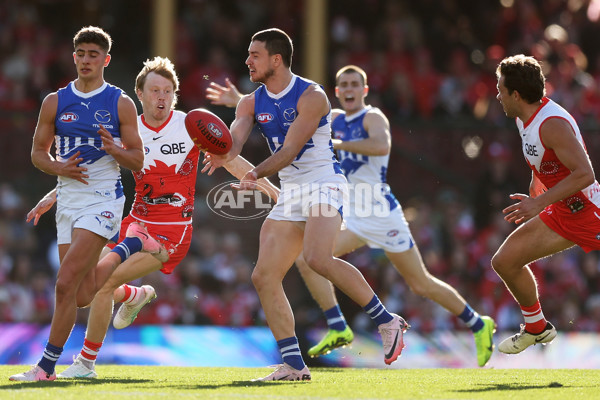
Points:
(65, 383)
(512, 387)
(238, 384)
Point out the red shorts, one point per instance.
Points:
(176, 238)
(581, 228)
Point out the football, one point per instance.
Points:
(208, 131)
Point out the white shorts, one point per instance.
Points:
(103, 218)
(296, 200)
(390, 233)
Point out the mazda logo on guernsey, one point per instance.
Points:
(231, 203)
(102, 116)
(289, 114)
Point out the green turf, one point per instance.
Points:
(170, 383)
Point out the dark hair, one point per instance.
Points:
(523, 74)
(349, 69)
(276, 42)
(93, 34)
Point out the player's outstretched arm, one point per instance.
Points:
(42, 207)
(227, 95)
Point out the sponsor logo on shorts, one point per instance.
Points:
(107, 214)
(393, 232)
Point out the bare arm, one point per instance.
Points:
(556, 135)
(131, 154)
(239, 167)
(42, 143)
(379, 141)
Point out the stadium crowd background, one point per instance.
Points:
(455, 155)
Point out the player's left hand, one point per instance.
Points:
(523, 211)
(227, 95)
(248, 182)
(213, 161)
(108, 142)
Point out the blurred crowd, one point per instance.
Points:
(455, 155)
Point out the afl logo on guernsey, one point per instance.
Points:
(68, 117)
(215, 130)
(263, 118)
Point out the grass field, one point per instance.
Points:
(134, 382)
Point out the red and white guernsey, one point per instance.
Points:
(545, 164)
(164, 189)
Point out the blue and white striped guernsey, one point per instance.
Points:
(78, 118)
(360, 168)
(274, 113)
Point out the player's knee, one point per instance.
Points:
(315, 261)
(258, 278)
(424, 287)
(419, 289)
(499, 263)
(65, 289)
(84, 301)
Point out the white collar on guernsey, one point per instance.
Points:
(88, 94)
(284, 91)
(358, 114)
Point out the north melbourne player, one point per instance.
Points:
(93, 125)
(294, 116)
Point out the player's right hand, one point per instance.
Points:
(522, 211)
(71, 169)
(41, 208)
(248, 182)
